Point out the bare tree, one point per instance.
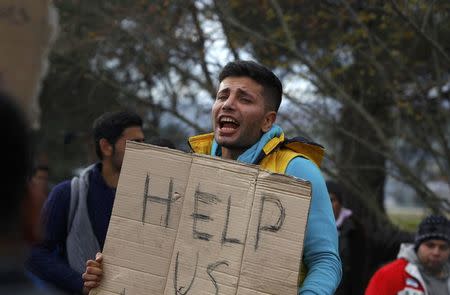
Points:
(377, 73)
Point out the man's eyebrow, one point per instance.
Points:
(223, 89)
(242, 90)
(246, 91)
(239, 90)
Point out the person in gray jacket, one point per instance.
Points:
(77, 212)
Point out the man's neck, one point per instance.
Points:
(439, 274)
(436, 273)
(231, 154)
(109, 174)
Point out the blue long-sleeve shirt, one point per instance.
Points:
(321, 253)
(320, 249)
(48, 259)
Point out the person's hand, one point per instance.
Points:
(93, 274)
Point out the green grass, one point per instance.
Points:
(407, 221)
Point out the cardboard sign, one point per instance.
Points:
(27, 28)
(192, 224)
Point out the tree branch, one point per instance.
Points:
(421, 33)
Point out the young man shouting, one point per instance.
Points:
(243, 118)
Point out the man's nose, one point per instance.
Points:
(230, 102)
(436, 251)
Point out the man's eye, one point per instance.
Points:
(221, 97)
(444, 247)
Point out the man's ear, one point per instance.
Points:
(106, 148)
(269, 119)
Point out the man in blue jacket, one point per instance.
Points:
(243, 118)
(77, 212)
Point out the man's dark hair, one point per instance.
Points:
(17, 163)
(335, 188)
(273, 88)
(111, 125)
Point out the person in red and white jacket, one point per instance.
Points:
(422, 268)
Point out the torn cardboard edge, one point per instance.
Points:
(194, 224)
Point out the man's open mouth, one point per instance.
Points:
(228, 122)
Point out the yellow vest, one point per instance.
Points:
(274, 157)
